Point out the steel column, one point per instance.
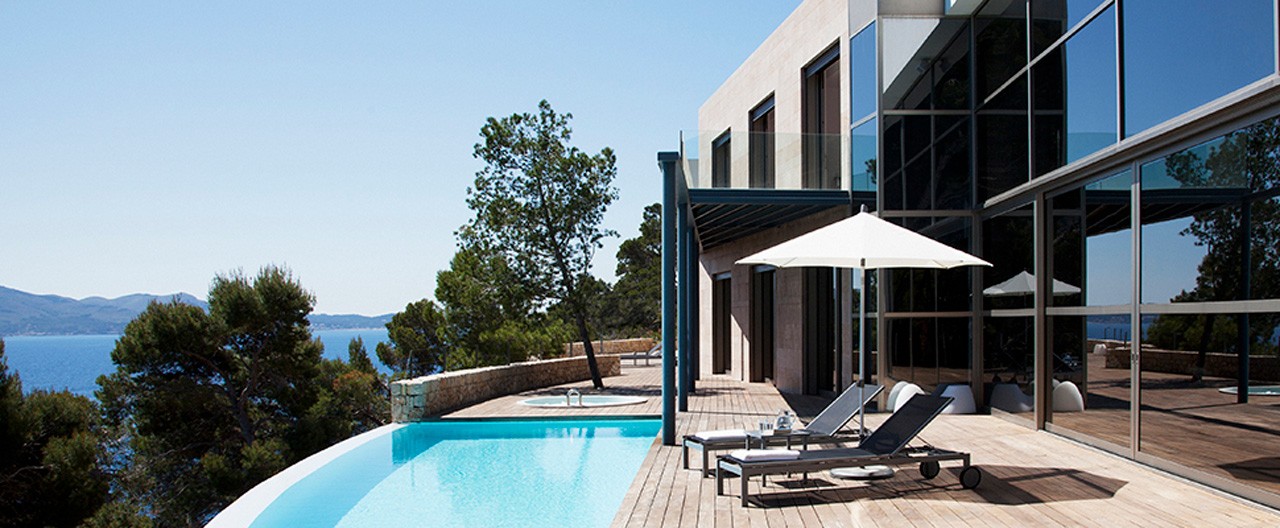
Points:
(667, 162)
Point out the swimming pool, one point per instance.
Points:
(469, 473)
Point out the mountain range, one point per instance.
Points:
(23, 313)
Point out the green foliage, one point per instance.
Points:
(636, 299)
(202, 406)
(539, 203)
(417, 345)
(49, 473)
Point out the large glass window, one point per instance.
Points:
(862, 68)
(763, 157)
(1008, 331)
(1180, 54)
(1075, 96)
(821, 121)
(1092, 265)
(721, 161)
(1210, 232)
(1211, 220)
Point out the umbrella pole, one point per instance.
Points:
(862, 345)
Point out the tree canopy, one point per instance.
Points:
(417, 346)
(539, 203)
(206, 405)
(49, 474)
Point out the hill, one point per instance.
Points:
(23, 313)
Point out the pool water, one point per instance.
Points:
(474, 473)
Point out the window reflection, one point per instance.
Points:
(1051, 19)
(1192, 412)
(1211, 220)
(1092, 260)
(1092, 384)
(1075, 96)
(863, 155)
(1180, 54)
(862, 49)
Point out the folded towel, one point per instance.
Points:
(755, 455)
(723, 434)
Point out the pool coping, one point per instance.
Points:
(246, 508)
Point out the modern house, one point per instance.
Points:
(1117, 161)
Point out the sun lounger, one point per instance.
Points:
(886, 446)
(653, 353)
(823, 428)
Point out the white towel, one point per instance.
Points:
(723, 434)
(751, 455)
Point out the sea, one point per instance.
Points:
(74, 362)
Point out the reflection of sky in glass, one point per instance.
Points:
(1108, 257)
(1091, 87)
(1180, 54)
(863, 69)
(1109, 265)
(1170, 261)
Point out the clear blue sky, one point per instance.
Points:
(148, 146)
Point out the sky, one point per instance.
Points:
(149, 146)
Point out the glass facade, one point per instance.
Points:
(1053, 138)
(1171, 254)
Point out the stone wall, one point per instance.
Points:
(612, 346)
(1216, 365)
(421, 398)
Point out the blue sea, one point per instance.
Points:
(74, 362)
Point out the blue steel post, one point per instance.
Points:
(682, 306)
(667, 161)
(691, 299)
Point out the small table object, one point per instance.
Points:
(762, 438)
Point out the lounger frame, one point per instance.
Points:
(819, 460)
(819, 437)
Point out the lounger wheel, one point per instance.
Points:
(929, 469)
(970, 477)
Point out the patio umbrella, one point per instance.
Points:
(863, 242)
(1024, 283)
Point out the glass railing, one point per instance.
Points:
(753, 160)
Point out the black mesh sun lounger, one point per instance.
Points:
(823, 427)
(886, 446)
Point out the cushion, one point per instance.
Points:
(722, 434)
(750, 455)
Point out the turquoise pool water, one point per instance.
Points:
(474, 473)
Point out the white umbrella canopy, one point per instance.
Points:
(863, 241)
(1024, 283)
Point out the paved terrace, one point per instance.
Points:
(1030, 478)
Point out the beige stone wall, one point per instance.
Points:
(776, 67)
(613, 346)
(421, 398)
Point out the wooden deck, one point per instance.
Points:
(1030, 478)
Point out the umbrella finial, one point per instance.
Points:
(863, 208)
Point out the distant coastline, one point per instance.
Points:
(28, 314)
